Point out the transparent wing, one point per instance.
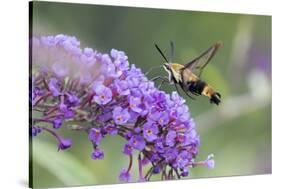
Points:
(198, 64)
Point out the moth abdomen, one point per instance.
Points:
(197, 86)
(215, 98)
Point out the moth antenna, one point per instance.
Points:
(159, 50)
(172, 51)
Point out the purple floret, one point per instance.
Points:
(137, 142)
(95, 135)
(124, 176)
(150, 131)
(103, 94)
(120, 115)
(64, 144)
(97, 154)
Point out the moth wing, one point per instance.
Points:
(198, 64)
(187, 75)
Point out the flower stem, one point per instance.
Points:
(130, 164)
(140, 167)
(42, 98)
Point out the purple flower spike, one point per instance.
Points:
(150, 131)
(137, 142)
(120, 115)
(97, 154)
(64, 144)
(103, 94)
(124, 176)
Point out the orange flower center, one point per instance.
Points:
(133, 105)
(119, 118)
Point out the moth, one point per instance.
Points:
(188, 76)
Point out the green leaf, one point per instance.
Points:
(62, 164)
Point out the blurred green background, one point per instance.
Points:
(238, 132)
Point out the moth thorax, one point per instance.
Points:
(176, 75)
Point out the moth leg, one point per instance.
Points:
(160, 85)
(194, 93)
(187, 86)
(150, 69)
(186, 91)
(158, 77)
(165, 80)
(189, 95)
(177, 89)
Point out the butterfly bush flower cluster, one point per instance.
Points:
(102, 95)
